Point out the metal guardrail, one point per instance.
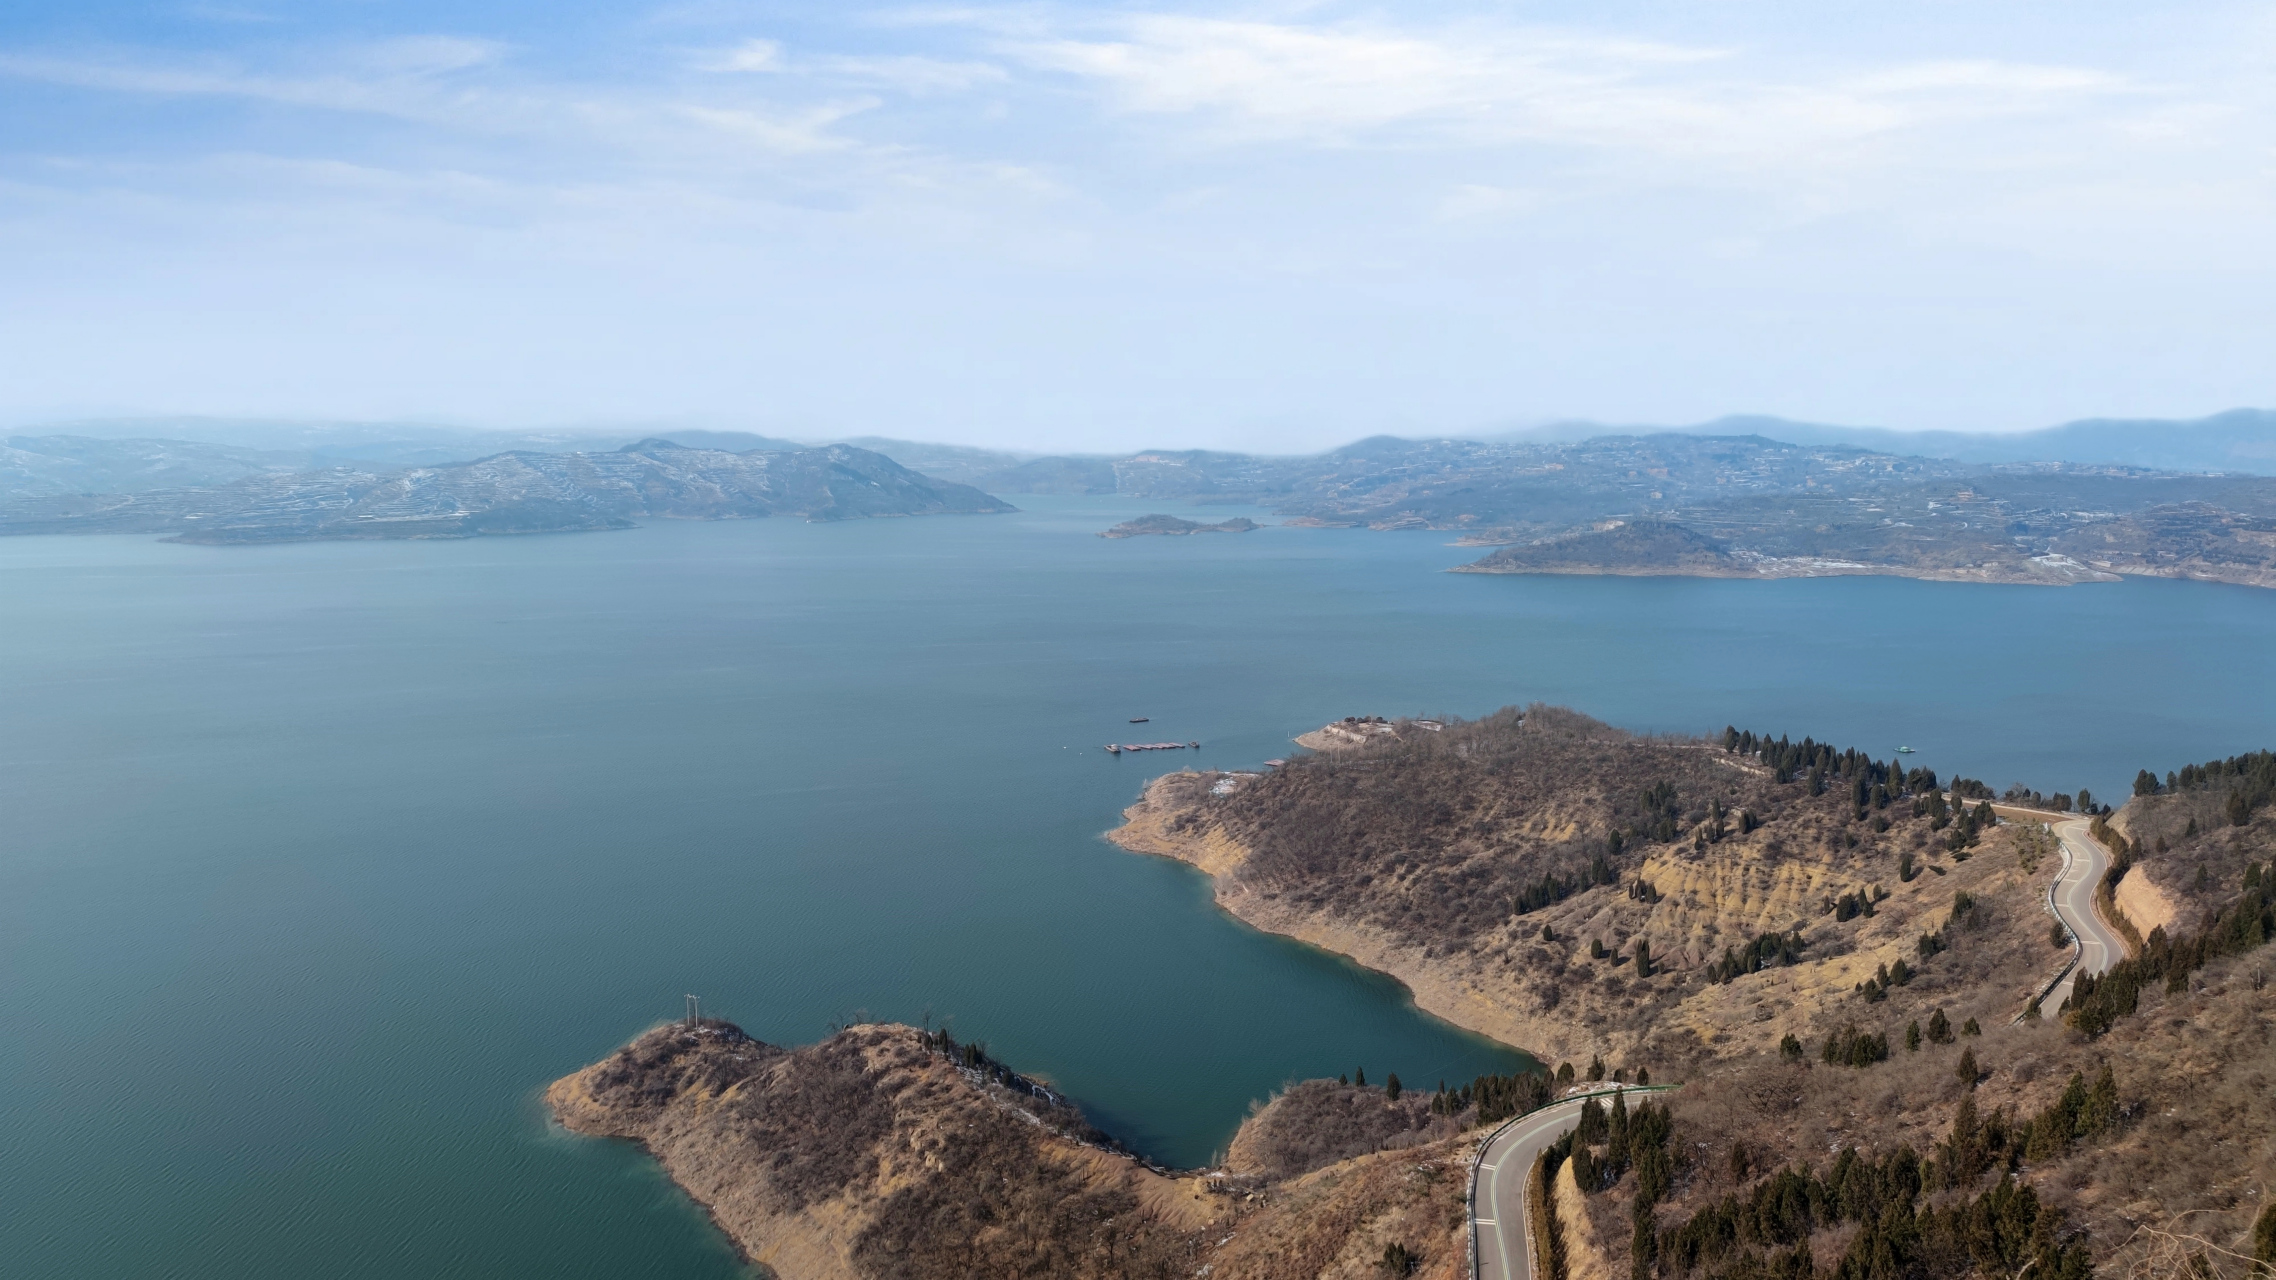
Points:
(2078, 944)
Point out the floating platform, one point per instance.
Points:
(1115, 749)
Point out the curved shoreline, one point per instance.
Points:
(1449, 1001)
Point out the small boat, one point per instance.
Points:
(1138, 719)
(1904, 751)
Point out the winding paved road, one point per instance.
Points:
(2072, 896)
(1498, 1221)
(1500, 1227)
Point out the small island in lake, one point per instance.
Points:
(1171, 525)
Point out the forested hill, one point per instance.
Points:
(1444, 835)
(1573, 888)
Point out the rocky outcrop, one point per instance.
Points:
(873, 1153)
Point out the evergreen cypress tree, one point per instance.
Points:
(2100, 1114)
(1391, 1088)
(1939, 1028)
(1361, 1077)
(1644, 1246)
(1596, 1067)
(1967, 1069)
(1564, 1073)
(1969, 1028)
(2264, 1238)
(1912, 1035)
(1643, 958)
(1591, 1128)
(1616, 1130)
(1585, 1174)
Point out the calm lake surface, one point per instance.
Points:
(317, 862)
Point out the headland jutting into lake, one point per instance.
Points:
(1796, 934)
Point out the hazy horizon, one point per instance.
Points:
(251, 432)
(1088, 228)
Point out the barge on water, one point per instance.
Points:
(1117, 748)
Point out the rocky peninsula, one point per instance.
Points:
(891, 1151)
(1835, 956)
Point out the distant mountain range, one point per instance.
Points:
(519, 492)
(1723, 499)
(2241, 440)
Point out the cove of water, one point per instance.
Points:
(319, 861)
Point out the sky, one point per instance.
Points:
(1069, 226)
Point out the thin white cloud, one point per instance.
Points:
(402, 77)
(750, 55)
(802, 132)
(1354, 84)
(912, 74)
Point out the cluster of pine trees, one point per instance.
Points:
(1637, 1140)
(1851, 1047)
(1978, 1146)
(1855, 903)
(1939, 1030)
(1660, 813)
(1765, 951)
(2115, 841)
(2098, 1000)
(1551, 888)
(1876, 988)
(1967, 913)
(2250, 780)
(2084, 1111)
(1968, 831)
(1765, 1234)
(1643, 1141)
(973, 1058)
(1497, 1097)
(1872, 782)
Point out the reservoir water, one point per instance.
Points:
(317, 862)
